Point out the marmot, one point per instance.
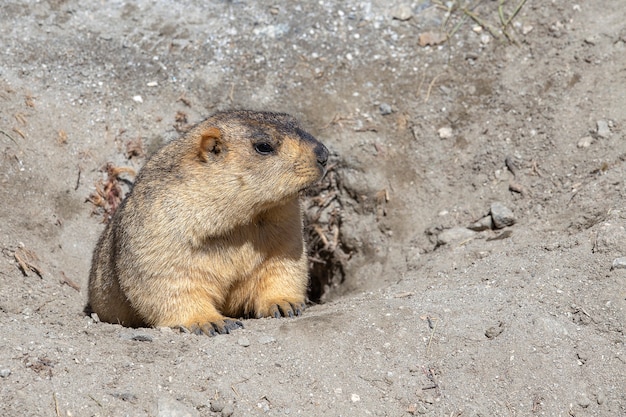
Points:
(212, 229)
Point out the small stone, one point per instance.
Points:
(217, 406)
(584, 401)
(431, 38)
(95, 318)
(486, 223)
(600, 398)
(526, 29)
(137, 99)
(355, 398)
(603, 129)
(402, 12)
(494, 331)
(611, 237)
(5, 373)
(385, 109)
(454, 234)
(243, 341)
(619, 263)
(585, 142)
(501, 215)
(591, 40)
(169, 407)
(126, 396)
(152, 84)
(445, 132)
(550, 326)
(426, 397)
(141, 338)
(228, 411)
(264, 340)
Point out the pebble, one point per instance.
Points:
(585, 142)
(5, 373)
(137, 99)
(243, 341)
(385, 109)
(603, 129)
(402, 12)
(141, 338)
(584, 401)
(494, 331)
(217, 406)
(228, 411)
(619, 263)
(454, 234)
(445, 132)
(550, 326)
(611, 237)
(485, 223)
(501, 215)
(169, 407)
(600, 398)
(355, 398)
(264, 340)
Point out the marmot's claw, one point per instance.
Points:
(214, 328)
(284, 309)
(181, 329)
(229, 325)
(299, 308)
(206, 329)
(200, 329)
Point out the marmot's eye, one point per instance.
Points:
(263, 148)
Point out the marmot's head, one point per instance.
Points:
(262, 158)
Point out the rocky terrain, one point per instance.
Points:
(468, 243)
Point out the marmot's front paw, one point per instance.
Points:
(213, 328)
(282, 308)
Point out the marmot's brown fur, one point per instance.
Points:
(212, 230)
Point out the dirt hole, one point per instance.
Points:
(328, 255)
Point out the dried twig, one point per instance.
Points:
(8, 136)
(78, 178)
(65, 280)
(433, 327)
(430, 87)
(27, 261)
(56, 404)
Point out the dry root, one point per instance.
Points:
(327, 256)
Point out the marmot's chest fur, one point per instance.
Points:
(211, 229)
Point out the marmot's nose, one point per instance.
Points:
(322, 154)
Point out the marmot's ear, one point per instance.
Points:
(210, 143)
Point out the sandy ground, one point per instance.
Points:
(423, 316)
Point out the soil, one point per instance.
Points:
(413, 313)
